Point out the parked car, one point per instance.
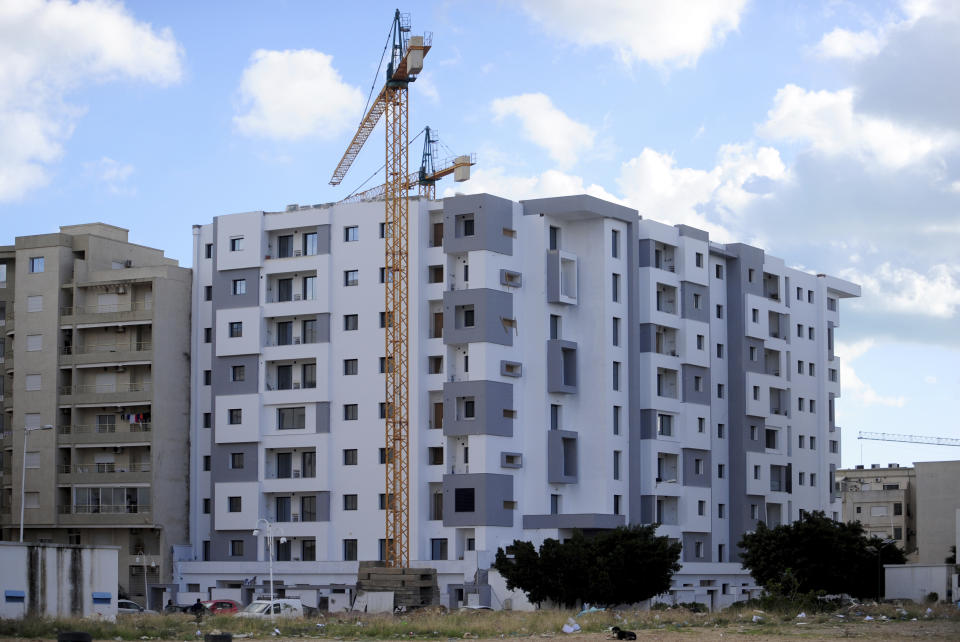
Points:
(126, 607)
(222, 606)
(282, 607)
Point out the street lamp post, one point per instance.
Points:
(23, 477)
(879, 551)
(142, 559)
(270, 528)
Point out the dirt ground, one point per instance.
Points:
(875, 630)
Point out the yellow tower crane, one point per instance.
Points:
(405, 62)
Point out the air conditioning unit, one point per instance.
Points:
(298, 252)
(295, 517)
(296, 297)
(296, 341)
(296, 386)
(127, 264)
(296, 474)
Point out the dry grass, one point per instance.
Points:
(942, 623)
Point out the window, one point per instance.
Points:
(813, 479)
(208, 251)
(721, 429)
(616, 419)
(350, 412)
(468, 227)
(35, 303)
(235, 416)
(799, 294)
(235, 329)
(234, 504)
(665, 425)
(809, 296)
(718, 271)
(697, 301)
(383, 230)
(753, 353)
(239, 286)
(754, 511)
(813, 443)
(719, 391)
(236, 547)
(616, 504)
(615, 285)
(351, 322)
(236, 461)
(554, 237)
(719, 351)
(351, 233)
(236, 244)
(208, 293)
(700, 341)
(755, 315)
(349, 550)
(750, 275)
(36, 264)
(799, 367)
(698, 383)
(555, 325)
(721, 510)
(756, 393)
(800, 441)
(238, 373)
(469, 408)
(834, 446)
(310, 244)
(207, 335)
(897, 509)
(349, 456)
(800, 478)
(463, 500)
(756, 472)
(616, 464)
(34, 342)
(554, 504)
(813, 405)
(701, 424)
(350, 502)
(810, 333)
(291, 418)
(897, 532)
(719, 311)
(616, 331)
(698, 468)
(206, 462)
(435, 456)
(468, 316)
(351, 277)
(350, 366)
(770, 438)
(720, 471)
(438, 549)
(208, 420)
(800, 330)
(698, 259)
(753, 433)
(615, 243)
(33, 382)
(616, 375)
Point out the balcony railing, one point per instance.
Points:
(89, 509)
(272, 342)
(94, 348)
(276, 298)
(105, 388)
(296, 385)
(110, 308)
(104, 468)
(103, 429)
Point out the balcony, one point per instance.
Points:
(105, 514)
(104, 473)
(120, 392)
(771, 286)
(106, 353)
(105, 434)
(107, 313)
(666, 298)
(664, 257)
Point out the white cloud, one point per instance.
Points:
(550, 183)
(660, 33)
(111, 173)
(900, 289)
(546, 126)
(828, 122)
(856, 387)
(295, 94)
(930, 379)
(707, 199)
(426, 87)
(48, 49)
(848, 45)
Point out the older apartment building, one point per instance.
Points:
(573, 366)
(94, 338)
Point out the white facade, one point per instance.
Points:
(565, 373)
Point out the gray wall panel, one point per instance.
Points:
(690, 476)
(490, 492)
(688, 554)
(687, 308)
(491, 214)
(556, 454)
(690, 393)
(491, 399)
(490, 308)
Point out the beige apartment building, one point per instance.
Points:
(884, 501)
(94, 357)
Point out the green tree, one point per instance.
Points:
(620, 566)
(818, 555)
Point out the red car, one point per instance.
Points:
(222, 606)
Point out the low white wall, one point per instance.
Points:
(53, 580)
(916, 581)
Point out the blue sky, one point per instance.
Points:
(826, 132)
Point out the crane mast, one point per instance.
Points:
(406, 61)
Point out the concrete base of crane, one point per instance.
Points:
(411, 587)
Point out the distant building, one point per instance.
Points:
(571, 366)
(883, 500)
(938, 499)
(95, 342)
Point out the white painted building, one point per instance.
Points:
(573, 366)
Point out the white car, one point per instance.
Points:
(282, 607)
(125, 607)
